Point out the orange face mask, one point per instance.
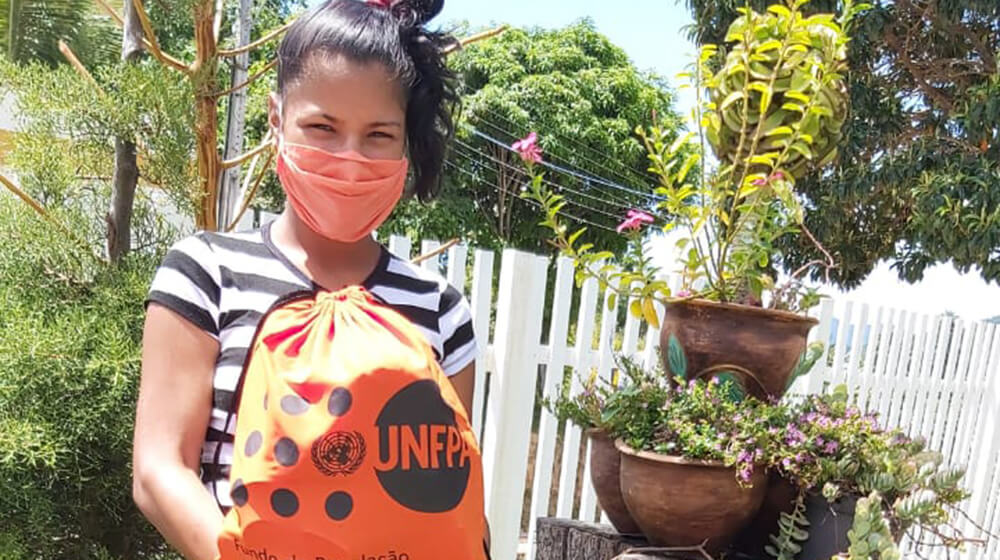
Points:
(342, 196)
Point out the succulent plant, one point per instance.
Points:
(780, 96)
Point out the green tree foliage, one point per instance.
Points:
(918, 178)
(584, 97)
(65, 150)
(69, 370)
(30, 30)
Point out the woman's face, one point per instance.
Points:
(339, 105)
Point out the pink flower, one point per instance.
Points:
(759, 182)
(777, 176)
(529, 149)
(634, 220)
(684, 293)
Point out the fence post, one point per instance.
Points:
(509, 410)
(456, 266)
(400, 246)
(988, 442)
(581, 367)
(820, 372)
(428, 246)
(562, 300)
(481, 300)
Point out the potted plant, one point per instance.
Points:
(841, 462)
(771, 108)
(693, 455)
(589, 410)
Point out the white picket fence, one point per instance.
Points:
(930, 376)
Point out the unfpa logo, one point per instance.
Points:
(423, 459)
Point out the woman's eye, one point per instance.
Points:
(323, 127)
(378, 134)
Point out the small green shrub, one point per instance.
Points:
(70, 336)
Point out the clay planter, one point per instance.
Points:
(605, 465)
(760, 347)
(681, 502)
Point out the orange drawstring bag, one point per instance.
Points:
(350, 441)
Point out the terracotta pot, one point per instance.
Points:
(605, 465)
(760, 347)
(681, 502)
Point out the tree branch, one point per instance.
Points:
(435, 252)
(250, 46)
(251, 193)
(80, 69)
(918, 76)
(169, 60)
(474, 38)
(249, 80)
(41, 211)
(266, 145)
(150, 39)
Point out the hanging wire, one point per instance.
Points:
(526, 200)
(629, 175)
(500, 188)
(467, 148)
(550, 165)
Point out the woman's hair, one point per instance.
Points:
(390, 32)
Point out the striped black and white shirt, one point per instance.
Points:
(224, 283)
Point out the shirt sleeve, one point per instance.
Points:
(455, 323)
(187, 283)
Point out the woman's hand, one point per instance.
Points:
(172, 415)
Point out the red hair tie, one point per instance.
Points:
(381, 3)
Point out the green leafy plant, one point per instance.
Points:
(870, 537)
(703, 419)
(833, 448)
(69, 373)
(771, 108)
(792, 530)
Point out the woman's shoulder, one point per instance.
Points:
(415, 277)
(210, 249)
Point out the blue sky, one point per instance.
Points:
(648, 30)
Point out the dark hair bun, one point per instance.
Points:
(416, 12)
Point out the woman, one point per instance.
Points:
(362, 93)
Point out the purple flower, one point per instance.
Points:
(787, 463)
(831, 447)
(745, 473)
(819, 441)
(684, 293)
(715, 381)
(795, 436)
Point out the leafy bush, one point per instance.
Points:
(69, 368)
